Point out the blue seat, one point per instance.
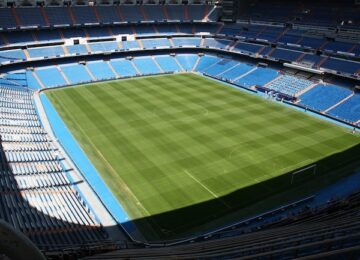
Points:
(175, 12)
(20, 37)
(197, 12)
(155, 43)
(220, 67)
(103, 46)
(84, 14)
(289, 85)
(58, 15)
(128, 45)
(247, 47)
(123, 67)
(146, 65)
(77, 49)
(31, 81)
(216, 43)
(183, 41)
(76, 73)
(311, 59)
(7, 20)
(338, 46)
(50, 77)
(205, 62)
(48, 35)
(322, 97)
(73, 33)
(98, 32)
(346, 66)
(187, 61)
(100, 70)
(314, 43)
(349, 110)
(108, 14)
(167, 63)
(260, 77)
(166, 29)
(236, 72)
(46, 52)
(12, 55)
(287, 55)
(154, 13)
(131, 13)
(31, 17)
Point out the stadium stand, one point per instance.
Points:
(348, 110)
(43, 52)
(236, 71)
(216, 43)
(289, 85)
(153, 13)
(168, 63)
(39, 196)
(146, 65)
(31, 81)
(128, 45)
(176, 12)
(248, 48)
(322, 97)
(131, 13)
(187, 61)
(100, 70)
(12, 56)
(220, 67)
(108, 14)
(205, 62)
(287, 55)
(77, 49)
(179, 42)
(155, 43)
(48, 35)
(20, 37)
(295, 237)
(103, 46)
(7, 20)
(341, 65)
(123, 67)
(84, 15)
(50, 77)
(76, 73)
(33, 18)
(258, 77)
(58, 15)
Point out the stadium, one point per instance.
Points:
(187, 129)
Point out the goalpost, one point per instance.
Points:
(301, 174)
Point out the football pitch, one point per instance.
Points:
(165, 144)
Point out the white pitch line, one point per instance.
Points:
(206, 188)
(107, 164)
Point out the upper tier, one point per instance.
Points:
(11, 18)
(344, 13)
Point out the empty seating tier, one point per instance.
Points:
(37, 196)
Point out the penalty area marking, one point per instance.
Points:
(206, 188)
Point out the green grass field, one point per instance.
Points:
(166, 143)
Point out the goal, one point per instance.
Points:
(303, 174)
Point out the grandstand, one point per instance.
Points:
(138, 160)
